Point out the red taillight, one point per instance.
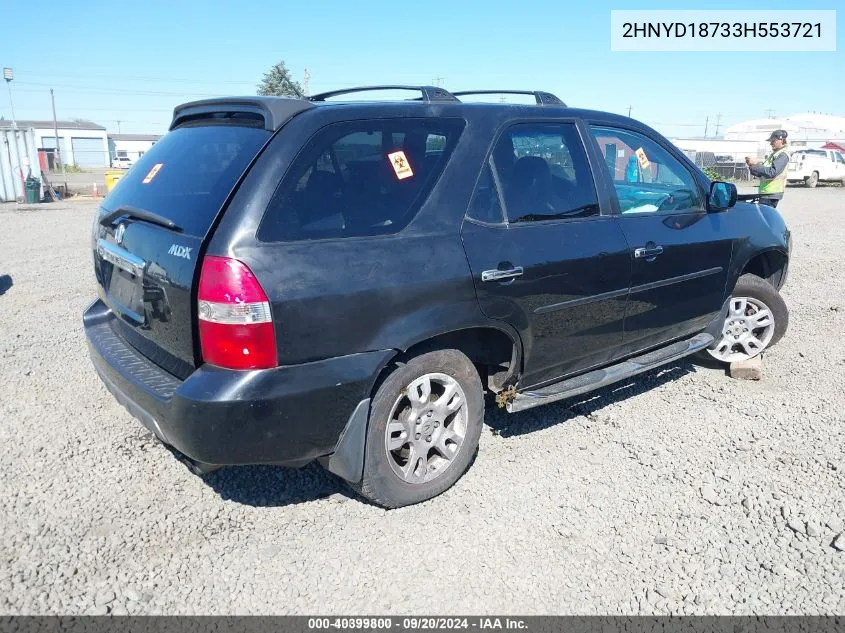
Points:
(236, 327)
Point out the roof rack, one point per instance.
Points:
(429, 93)
(542, 98)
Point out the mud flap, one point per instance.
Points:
(347, 460)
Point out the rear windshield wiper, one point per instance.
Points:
(140, 214)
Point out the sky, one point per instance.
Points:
(126, 65)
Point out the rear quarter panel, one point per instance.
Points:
(342, 296)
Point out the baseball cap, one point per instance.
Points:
(778, 134)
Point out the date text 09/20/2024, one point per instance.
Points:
(418, 623)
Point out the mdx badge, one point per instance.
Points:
(180, 251)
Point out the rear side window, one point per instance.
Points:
(360, 178)
(187, 175)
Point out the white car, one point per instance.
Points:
(812, 166)
(121, 162)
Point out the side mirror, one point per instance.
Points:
(722, 196)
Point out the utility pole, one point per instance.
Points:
(56, 132)
(438, 81)
(706, 124)
(629, 112)
(718, 122)
(306, 82)
(118, 125)
(769, 113)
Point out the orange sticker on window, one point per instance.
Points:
(400, 165)
(152, 173)
(642, 158)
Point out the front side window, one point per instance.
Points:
(647, 178)
(360, 178)
(839, 159)
(544, 173)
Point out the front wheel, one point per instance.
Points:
(757, 319)
(425, 422)
(812, 180)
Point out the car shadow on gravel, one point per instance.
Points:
(5, 283)
(275, 486)
(588, 405)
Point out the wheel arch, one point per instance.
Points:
(485, 345)
(488, 346)
(770, 264)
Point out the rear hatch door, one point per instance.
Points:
(151, 227)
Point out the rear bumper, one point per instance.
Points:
(287, 415)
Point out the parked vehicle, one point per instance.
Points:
(812, 166)
(287, 280)
(121, 162)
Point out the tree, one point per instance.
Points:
(277, 82)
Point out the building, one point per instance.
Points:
(81, 143)
(131, 146)
(750, 138)
(805, 130)
(723, 150)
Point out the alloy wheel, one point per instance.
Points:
(747, 331)
(427, 427)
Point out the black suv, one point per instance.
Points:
(285, 280)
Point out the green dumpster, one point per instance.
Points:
(33, 190)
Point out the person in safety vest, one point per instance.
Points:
(772, 171)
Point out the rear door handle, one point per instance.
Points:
(648, 253)
(499, 275)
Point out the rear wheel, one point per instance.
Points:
(425, 423)
(757, 319)
(812, 180)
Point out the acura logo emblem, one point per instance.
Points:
(118, 234)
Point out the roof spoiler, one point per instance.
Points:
(271, 112)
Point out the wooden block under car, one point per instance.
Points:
(751, 369)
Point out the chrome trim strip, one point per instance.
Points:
(120, 257)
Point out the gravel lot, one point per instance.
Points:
(683, 491)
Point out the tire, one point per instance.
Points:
(757, 294)
(812, 180)
(392, 405)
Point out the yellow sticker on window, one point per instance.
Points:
(400, 165)
(642, 158)
(152, 173)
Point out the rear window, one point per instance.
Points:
(187, 174)
(360, 178)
